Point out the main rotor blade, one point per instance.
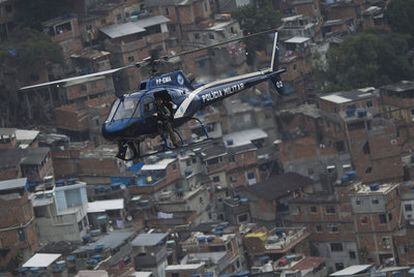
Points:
(87, 76)
(187, 52)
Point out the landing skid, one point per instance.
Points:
(134, 146)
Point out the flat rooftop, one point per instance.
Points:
(105, 205)
(129, 28)
(111, 240)
(13, 184)
(342, 97)
(374, 188)
(149, 239)
(159, 165)
(243, 137)
(41, 260)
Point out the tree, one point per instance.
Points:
(253, 19)
(31, 13)
(400, 14)
(368, 59)
(23, 52)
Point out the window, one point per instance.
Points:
(148, 107)
(205, 6)
(332, 228)
(62, 28)
(368, 170)
(131, 59)
(382, 218)
(366, 148)
(243, 218)
(408, 207)
(358, 201)
(216, 179)
(232, 159)
(310, 171)
(197, 36)
(339, 266)
(188, 163)
(250, 175)
(318, 228)
(80, 225)
(375, 201)
(174, 166)
(364, 220)
(352, 255)
(295, 66)
(313, 209)
(167, 12)
(8, 8)
(369, 104)
(21, 234)
(389, 217)
(295, 210)
(201, 200)
(340, 146)
(330, 209)
(336, 247)
(175, 274)
(211, 36)
(233, 179)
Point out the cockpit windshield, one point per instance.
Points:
(124, 108)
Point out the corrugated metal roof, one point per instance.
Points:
(13, 184)
(351, 270)
(42, 260)
(149, 239)
(129, 28)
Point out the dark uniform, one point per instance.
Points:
(165, 118)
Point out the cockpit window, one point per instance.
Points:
(148, 104)
(123, 109)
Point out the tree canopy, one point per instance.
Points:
(368, 59)
(400, 14)
(24, 51)
(33, 13)
(253, 19)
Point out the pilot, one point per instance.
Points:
(165, 118)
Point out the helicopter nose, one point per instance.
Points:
(107, 131)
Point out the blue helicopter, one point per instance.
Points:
(166, 101)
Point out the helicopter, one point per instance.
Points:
(167, 101)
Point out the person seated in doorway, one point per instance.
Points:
(165, 118)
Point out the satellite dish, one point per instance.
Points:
(129, 218)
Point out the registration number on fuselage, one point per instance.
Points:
(222, 92)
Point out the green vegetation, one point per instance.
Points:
(368, 59)
(400, 14)
(26, 47)
(253, 19)
(33, 13)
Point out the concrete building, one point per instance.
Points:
(182, 14)
(150, 253)
(328, 217)
(275, 243)
(65, 32)
(17, 227)
(132, 41)
(36, 164)
(351, 123)
(376, 210)
(61, 212)
(221, 252)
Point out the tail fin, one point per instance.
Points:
(275, 54)
(274, 68)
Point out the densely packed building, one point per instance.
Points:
(305, 184)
